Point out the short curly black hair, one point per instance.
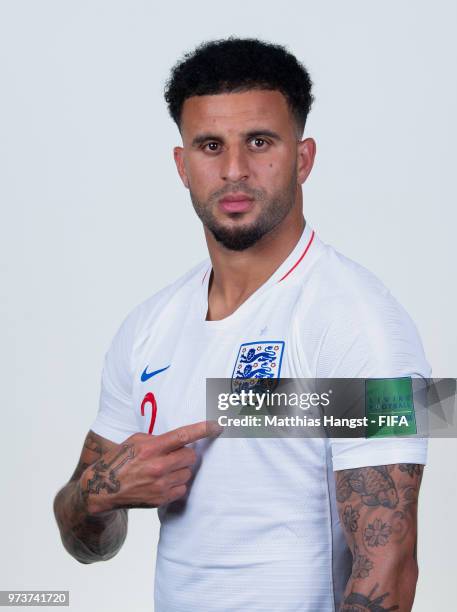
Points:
(239, 64)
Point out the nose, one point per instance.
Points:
(234, 165)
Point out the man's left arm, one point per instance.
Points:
(378, 511)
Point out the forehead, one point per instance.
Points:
(234, 112)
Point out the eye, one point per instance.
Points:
(211, 146)
(258, 143)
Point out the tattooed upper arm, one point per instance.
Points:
(93, 448)
(378, 511)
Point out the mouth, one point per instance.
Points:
(236, 203)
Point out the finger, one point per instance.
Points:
(177, 438)
(179, 477)
(176, 493)
(183, 457)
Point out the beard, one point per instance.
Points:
(273, 209)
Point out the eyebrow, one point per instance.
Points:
(201, 138)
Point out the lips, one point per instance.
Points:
(236, 203)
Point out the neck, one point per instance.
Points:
(237, 275)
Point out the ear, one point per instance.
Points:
(178, 154)
(306, 150)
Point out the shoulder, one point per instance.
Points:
(340, 278)
(343, 288)
(357, 320)
(143, 315)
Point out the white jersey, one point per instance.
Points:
(258, 530)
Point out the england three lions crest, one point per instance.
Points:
(257, 360)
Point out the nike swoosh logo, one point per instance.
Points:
(147, 375)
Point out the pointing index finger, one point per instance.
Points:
(177, 438)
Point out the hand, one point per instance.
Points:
(144, 471)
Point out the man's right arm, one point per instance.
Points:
(142, 472)
(89, 536)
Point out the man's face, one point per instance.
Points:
(241, 162)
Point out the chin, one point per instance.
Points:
(237, 238)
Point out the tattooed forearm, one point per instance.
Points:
(350, 517)
(90, 537)
(92, 451)
(361, 565)
(358, 602)
(373, 485)
(377, 533)
(410, 468)
(378, 512)
(93, 445)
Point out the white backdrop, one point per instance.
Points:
(94, 220)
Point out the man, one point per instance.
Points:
(251, 524)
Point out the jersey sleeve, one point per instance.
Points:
(373, 339)
(115, 419)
